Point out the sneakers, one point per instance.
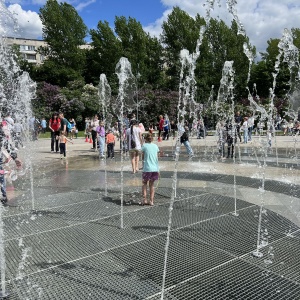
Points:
(4, 200)
(61, 156)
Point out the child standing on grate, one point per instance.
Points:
(62, 144)
(110, 142)
(150, 168)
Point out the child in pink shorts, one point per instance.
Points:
(150, 168)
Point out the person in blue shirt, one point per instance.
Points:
(150, 168)
(44, 125)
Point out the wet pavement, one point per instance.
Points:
(62, 225)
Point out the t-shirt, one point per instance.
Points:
(136, 137)
(55, 124)
(110, 138)
(150, 157)
(64, 122)
(44, 123)
(161, 124)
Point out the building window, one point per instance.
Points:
(31, 56)
(23, 47)
(27, 48)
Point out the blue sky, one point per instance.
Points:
(145, 12)
(262, 19)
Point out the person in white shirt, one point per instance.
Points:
(135, 141)
(245, 129)
(250, 127)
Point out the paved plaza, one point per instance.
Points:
(63, 238)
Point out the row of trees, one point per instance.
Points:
(69, 77)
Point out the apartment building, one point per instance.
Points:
(28, 48)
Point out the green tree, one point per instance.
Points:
(104, 54)
(180, 31)
(64, 33)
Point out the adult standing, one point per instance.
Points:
(54, 126)
(245, 128)
(250, 127)
(63, 123)
(44, 125)
(134, 139)
(94, 125)
(166, 127)
(160, 127)
(73, 127)
(150, 168)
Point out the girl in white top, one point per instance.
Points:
(134, 133)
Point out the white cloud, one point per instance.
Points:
(28, 22)
(262, 19)
(83, 5)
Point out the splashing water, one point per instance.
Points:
(104, 98)
(126, 82)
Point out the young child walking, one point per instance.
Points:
(110, 142)
(150, 168)
(62, 144)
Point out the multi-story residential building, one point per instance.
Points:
(28, 48)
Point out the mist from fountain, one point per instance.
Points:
(124, 100)
(104, 98)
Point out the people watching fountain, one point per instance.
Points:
(134, 140)
(150, 169)
(54, 126)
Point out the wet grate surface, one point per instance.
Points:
(72, 247)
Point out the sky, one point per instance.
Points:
(262, 19)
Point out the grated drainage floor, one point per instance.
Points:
(71, 246)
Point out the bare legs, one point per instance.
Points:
(152, 191)
(135, 161)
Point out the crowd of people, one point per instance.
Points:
(134, 141)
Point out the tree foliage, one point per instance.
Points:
(69, 76)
